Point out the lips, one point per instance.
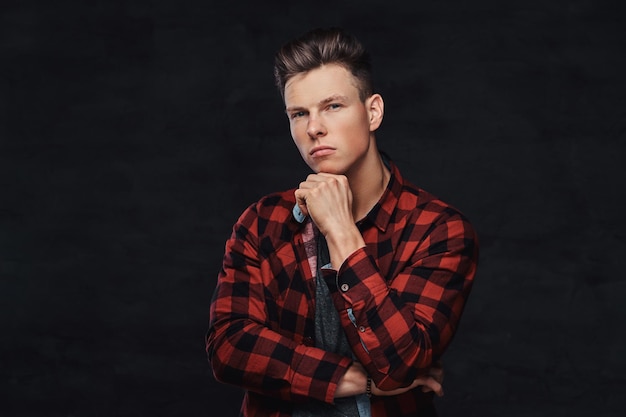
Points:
(320, 151)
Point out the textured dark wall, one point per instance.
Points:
(134, 133)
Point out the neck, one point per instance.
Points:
(368, 183)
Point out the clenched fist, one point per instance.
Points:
(327, 199)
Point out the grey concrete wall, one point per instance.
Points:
(134, 133)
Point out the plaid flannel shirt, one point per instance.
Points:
(400, 300)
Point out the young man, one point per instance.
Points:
(338, 298)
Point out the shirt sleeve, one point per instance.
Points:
(399, 326)
(243, 345)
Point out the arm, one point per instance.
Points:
(244, 346)
(415, 313)
(355, 380)
(398, 325)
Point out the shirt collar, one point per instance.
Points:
(380, 214)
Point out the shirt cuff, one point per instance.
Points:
(318, 374)
(358, 279)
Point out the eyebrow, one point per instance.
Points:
(335, 97)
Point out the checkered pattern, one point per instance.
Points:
(406, 291)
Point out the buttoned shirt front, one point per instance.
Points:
(400, 300)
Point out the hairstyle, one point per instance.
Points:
(320, 47)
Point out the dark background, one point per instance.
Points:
(133, 134)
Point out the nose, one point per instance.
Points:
(315, 128)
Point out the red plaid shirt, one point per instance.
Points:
(406, 291)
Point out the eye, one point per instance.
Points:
(297, 114)
(334, 106)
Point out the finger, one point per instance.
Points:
(340, 180)
(327, 175)
(307, 185)
(317, 178)
(311, 181)
(435, 386)
(301, 201)
(426, 388)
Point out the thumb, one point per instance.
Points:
(300, 211)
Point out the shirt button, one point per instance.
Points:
(361, 329)
(345, 287)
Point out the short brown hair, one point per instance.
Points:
(320, 47)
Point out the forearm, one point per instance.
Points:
(386, 315)
(248, 345)
(342, 242)
(368, 293)
(260, 360)
(356, 381)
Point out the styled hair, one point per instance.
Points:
(320, 47)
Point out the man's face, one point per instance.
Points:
(330, 125)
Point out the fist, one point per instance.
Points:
(327, 198)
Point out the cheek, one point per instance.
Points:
(293, 129)
(296, 129)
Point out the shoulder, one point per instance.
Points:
(276, 206)
(428, 209)
(272, 210)
(409, 204)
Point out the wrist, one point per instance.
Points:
(353, 382)
(341, 244)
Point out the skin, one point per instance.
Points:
(334, 131)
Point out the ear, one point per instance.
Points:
(376, 110)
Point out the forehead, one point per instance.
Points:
(316, 85)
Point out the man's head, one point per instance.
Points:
(324, 78)
(322, 47)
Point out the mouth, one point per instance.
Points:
(319, 151)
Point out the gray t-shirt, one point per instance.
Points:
(329, 335)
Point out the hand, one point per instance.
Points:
(431, 382)
(327, 198)
(354, 380)
(436, 372)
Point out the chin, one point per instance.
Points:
(327, 166)
(332, 171)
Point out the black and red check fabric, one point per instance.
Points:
(400, 300)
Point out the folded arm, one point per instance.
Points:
(245, 345)
(400, 326)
